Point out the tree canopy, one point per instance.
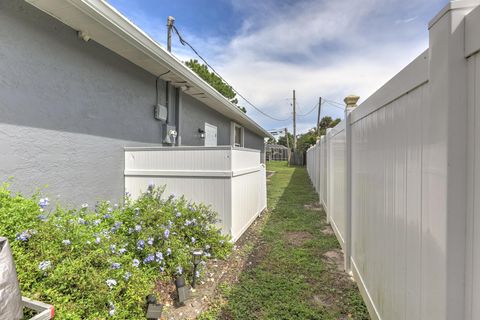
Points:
(215, 81)
(308, 139)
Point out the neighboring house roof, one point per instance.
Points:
(99, 21)
(276, 146)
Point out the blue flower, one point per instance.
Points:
(111, 283)
(170, 224)
(179, 214)
(116, 226)
(193, 240)
(190, 207)
(116, 265)
(122, 251)
(127, 276)
(197, 274)
(45, 265)
(111, 312)
(66, 242)
(96, 222)
(81, 221)
(159, 256)
(24, 236)
(179, 270)
(97, 240)
(135, 262)
(107, 216)
(150, 241)
(112, 248)
(169, 251)
(140, 244)
(138, 228)
(43, 203)
(42, 217)
(187, 223)
(166, 234)
(149, 258)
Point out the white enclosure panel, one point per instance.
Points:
(178, 158)
(337, 185)
(214, 192)
(248, 192)
(245, 158)
(203, 175)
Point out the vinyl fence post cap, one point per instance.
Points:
(351, 100)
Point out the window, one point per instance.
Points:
(237, 135)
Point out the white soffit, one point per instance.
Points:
(105, 25)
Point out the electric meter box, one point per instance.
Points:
(161, 112)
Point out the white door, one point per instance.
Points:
(210, 135)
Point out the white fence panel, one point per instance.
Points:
(473, 219)
(386, 204)
(412, 235)
(337, 197)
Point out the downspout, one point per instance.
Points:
(178, 105)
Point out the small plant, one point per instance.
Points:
(101, 261)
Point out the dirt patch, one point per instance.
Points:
(335, 257)
(313, 206)
(328, 231)
(270, 174)
(298, 238)
(247, 253)
(322, 301)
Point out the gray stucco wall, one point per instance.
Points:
(253, 141)
(68, 108)
(194, 114)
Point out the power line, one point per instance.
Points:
(306, 114)
(184, 42)
(334, 105)
(335, 102)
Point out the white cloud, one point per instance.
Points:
(284, 52)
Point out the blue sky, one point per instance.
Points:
(267, 48)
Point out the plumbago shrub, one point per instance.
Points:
(101, 262)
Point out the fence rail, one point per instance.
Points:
(399, 180)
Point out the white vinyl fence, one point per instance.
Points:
(399, 180)
(231, 180)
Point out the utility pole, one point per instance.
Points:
(288, 146)
(294, 124)
(318, 117)
(170, 21)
